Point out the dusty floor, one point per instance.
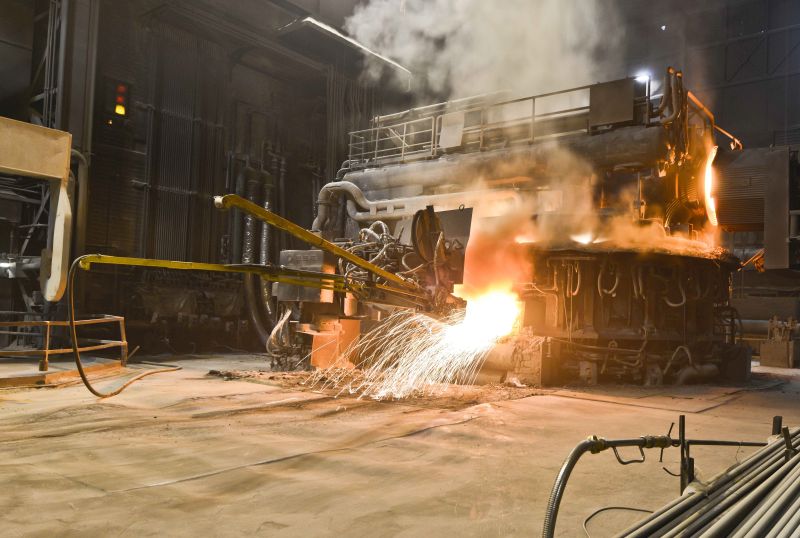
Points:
(190, 454)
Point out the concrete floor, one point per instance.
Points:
(187, 454)
(24, 372)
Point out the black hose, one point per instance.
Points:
(253, 299)
(594, 445)
(607, 508)
(253, 294)
(553, 504)
(74, 337)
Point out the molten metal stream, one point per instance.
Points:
(711, 205)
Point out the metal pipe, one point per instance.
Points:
(396, 208)
(700, 106)
(62, 52)
(788, 523)
(236, 233)
(263, 251)
(252, 283)
(675, 107)
(283, 195)
(698, 510)
(666, 93)
(264, 255)
(82, 204)
(697, 372)
(760, 327)
(600, 289)
(768, 509)
(253, 210)
(708, 509)
(683, 297)
(627, 144)
(594, 445)
(248, 247)
(324, 200)
(720, 485)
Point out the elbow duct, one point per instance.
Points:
(361, 209)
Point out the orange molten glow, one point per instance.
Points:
(583, 239)
(711, 206)
(490, 315)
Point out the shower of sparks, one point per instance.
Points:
(414, 354)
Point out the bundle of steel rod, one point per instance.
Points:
(759, 497)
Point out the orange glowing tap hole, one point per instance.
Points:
(490, 315)
(708, 188)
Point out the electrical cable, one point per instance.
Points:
(599, 511)
(74, 338)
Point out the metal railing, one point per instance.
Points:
(16, 328)
(419, 138)
(409, 139)
(512, 121)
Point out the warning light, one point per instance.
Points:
(117, 98)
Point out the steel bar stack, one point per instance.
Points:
(759, 497)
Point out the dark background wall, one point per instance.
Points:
(16, 42)
(211, 92)
(742, 57)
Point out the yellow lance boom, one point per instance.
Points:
(231, 200)
(272, 273)
(283, 275)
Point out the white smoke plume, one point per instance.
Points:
(457, 48)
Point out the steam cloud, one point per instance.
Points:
(460, 48)
(457, 48)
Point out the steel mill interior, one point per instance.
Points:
(400, 268)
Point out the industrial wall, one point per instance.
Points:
(171, 103)
(205, 97)
(16, 40)
(192, 115)
(741, 56)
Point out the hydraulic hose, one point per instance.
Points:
(74, 338)
(560, 485)
(594, 445)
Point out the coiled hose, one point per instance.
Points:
(74, 338)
